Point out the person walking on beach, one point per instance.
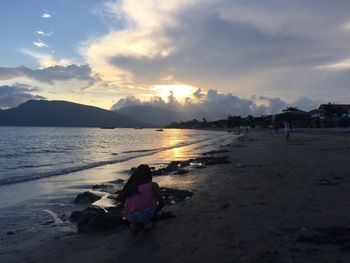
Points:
(287, 128)
(141, 198)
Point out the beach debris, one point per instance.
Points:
(49, 222)
(174, 196)
(102, 187)
(333, 234)
(214, 160)
(238, 146)
(225, 206)
(163, 216)
(197, 165)
(200, 162)
(239, 165)
(55, 217)
(327, 182)
(87, 198)
(97, 219)
(63, 217)
(215, 152)
(181, 172)
(118, 181)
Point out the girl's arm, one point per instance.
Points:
(159, 197)
(121, 196)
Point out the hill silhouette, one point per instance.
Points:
(64, 114)
(153, 115)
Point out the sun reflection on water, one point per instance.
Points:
(174, 137)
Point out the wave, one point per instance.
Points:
(141, 153)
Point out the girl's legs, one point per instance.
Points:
(142, 218)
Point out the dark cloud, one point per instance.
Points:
(50, 74)
(214, 105)
(198, 94)
(11, 96)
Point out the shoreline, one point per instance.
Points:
(99, 174)
(118, 157)
(251, 210)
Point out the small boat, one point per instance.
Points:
(160, 130)
(107, 127)
(138, 128)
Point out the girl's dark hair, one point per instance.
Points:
(141, 175)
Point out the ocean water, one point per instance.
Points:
(29, 153)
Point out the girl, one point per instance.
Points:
(141, 198)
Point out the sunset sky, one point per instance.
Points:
(246, 56)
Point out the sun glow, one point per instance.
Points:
(179, 91)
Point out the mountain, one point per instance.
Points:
(162, 117)
(154, 115)
(64, 114)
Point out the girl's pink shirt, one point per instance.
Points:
(140, 200)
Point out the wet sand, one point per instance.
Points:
(252, 210)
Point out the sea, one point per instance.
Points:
(30, 153)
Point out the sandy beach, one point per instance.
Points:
(266, 205)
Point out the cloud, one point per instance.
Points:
(198, 94)
(142, 39)
(244, 47)
(340, 65)
(272, 105)
(50, 74)
(126, 102)
(39, 43)
(43, 33)
(214, 105)
(47, 60)
(307, 103)
(11, 96)
(46, 14)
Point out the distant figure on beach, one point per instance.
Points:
(141, 198)
(287, 128)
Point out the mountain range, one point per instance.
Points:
(158, 116)
(68, 114)
(65, 114)
(153, 115)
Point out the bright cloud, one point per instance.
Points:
(43, 33)
(39, 43)
(142, 39)
(47, 60)
(46, 14)
(340, 65)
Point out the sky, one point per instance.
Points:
(230, 56)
